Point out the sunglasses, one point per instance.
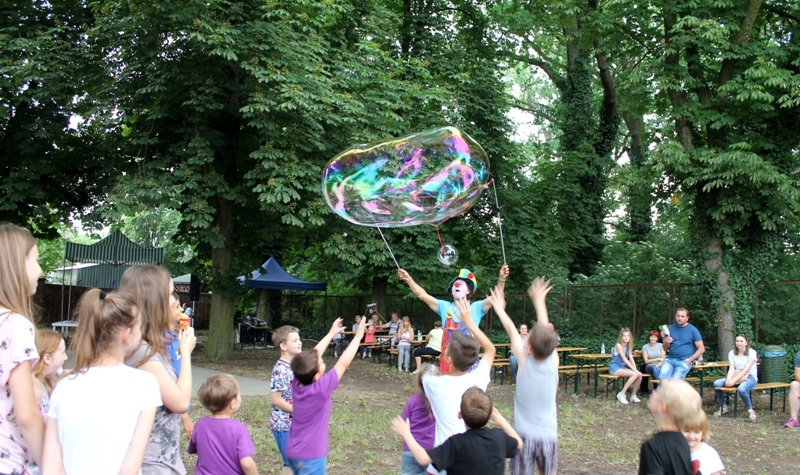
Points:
(743, 335)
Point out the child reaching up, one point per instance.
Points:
(537, 383)
(222, 444)
(52, 355)
(287, 340)
(674, 404)
(444, 391)
(307, 447)
(479, 450)
(422, 425)
(102, 412)
(705, 460)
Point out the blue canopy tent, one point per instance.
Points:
(271, 276)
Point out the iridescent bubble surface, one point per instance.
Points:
(423, 178)
(448, 255)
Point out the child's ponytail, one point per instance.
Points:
(101, 316)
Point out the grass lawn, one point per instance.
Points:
(596, 436)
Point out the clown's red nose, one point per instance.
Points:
(457, 284)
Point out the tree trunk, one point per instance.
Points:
(274, 304)
(220, 327)
(262, 308)
(379, 284)
(639, 200)
(727, 297)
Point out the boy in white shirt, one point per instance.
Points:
(444, 392)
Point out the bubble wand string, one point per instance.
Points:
(385, 241)
(499, 222)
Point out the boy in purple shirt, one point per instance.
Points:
(307, 447)
(222, 445)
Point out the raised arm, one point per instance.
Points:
(489, 351)
(336, 327)
(403, 428)
(497, 299)
(350, 352)
(501, 284)
(418, 291)
(538, 293)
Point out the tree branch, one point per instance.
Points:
(751, 12)
(544, 66)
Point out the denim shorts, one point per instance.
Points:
(410, 466)
(280, 439)
(309, 467)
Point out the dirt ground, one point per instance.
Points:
(596, 436)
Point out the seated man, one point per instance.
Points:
(683, 344)
(794, 395)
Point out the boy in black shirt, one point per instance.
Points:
(478, 451)
(667, 453)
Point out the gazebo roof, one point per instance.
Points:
(115, 249)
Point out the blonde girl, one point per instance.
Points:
(21, 422)
(101, 413)
(52, 354)
(404, 336)
(705, 460)
(151, 287)
(622, 364)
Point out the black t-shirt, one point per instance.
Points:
(476, 451)
(667, 453)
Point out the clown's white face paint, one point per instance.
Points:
(460, 290)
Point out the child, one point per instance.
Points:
(479, 450)
(537, 383)
(20, 442)
(151, 287)
(705, 460)
(222, 445)
(622, 364)
(422, 425)
(102, 412)
(444, 391)
(52, 354)
(673, 404)
(307, 447)
(369, 337)
(405, 334)
(287, 340)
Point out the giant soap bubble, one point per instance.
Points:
(423, 178)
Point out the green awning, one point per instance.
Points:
(116, 250)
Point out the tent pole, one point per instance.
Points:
(63, 265)
(325, 305)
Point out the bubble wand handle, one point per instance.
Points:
(499, 222)
(387, 246)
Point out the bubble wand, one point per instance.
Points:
(387, 246)
(499, 222)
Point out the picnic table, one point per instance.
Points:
(64, 326)
(701, 370)
(586, 360)
(563, 351)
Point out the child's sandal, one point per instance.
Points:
(752, 413)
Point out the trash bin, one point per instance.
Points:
(773, 365)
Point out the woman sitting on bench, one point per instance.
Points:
(434, 346)
(742, 372)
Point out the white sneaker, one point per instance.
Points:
(621, 398)
(634, 398)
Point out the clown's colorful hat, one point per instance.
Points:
(467, 276)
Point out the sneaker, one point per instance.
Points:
(634, 398)
(792, 423)
(363, 356)
(335, 354)
(621, 398)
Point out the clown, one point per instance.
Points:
(462, 287)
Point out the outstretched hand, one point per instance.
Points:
(403, 275)
(539, 289)
(497, 297)
(504, 271)
(336, 326)
(401, 426)
(463, 308)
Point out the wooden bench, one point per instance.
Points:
(499, 366)
(571, 371)
(615, 379)
(728, 391)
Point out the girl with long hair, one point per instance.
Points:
(52, 352)
(742, 373)
(151, 287)
(404, 336)
(622, 364)
(422, 423)
(21, 422)
(101, 413)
